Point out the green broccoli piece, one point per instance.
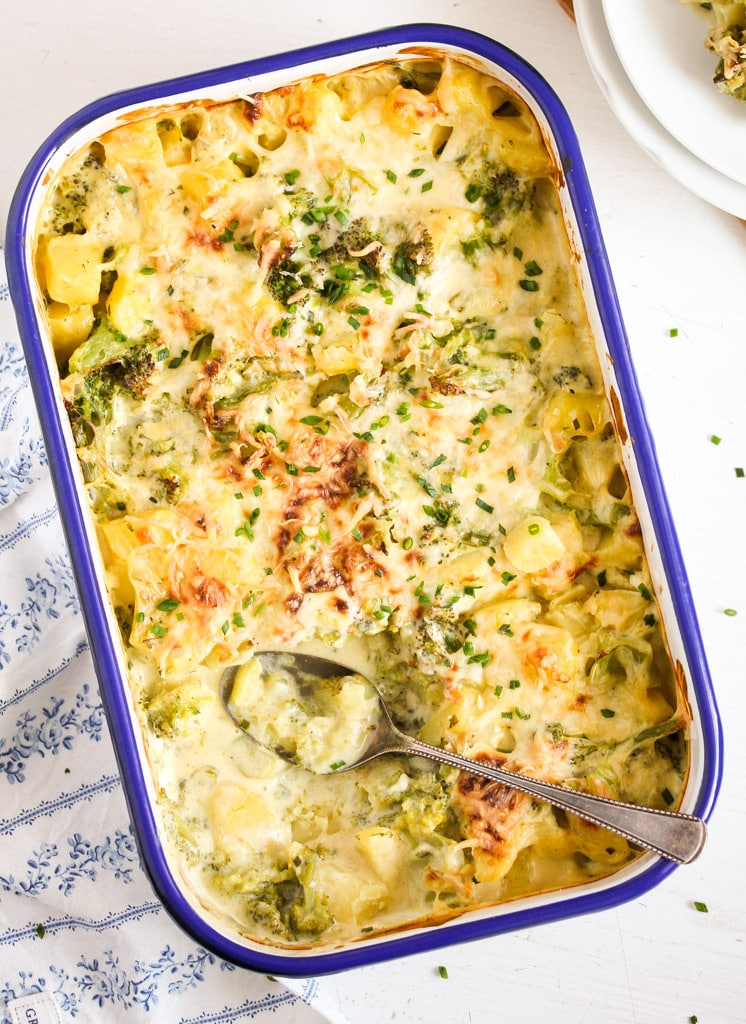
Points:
(358, 238)
(502, 192)
(73, 193)
(110, 364)
(291, 907)
(572, 378)
(413, 255)
(104, 344)
(174, 710)
(285, 281)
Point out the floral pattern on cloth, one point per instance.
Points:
(80, 926)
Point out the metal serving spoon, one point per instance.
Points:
(678, 837)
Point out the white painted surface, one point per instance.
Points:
(678, 263)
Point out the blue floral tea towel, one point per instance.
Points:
(82, 935)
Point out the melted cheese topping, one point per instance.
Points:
(330, 377)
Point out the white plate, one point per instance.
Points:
(691, 172)
(661, 46)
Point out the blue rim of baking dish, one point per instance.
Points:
(113, 696)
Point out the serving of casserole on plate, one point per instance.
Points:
(328, 357)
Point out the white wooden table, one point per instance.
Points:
(678, 262)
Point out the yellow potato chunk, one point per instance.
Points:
(69, 326)
(386, 852)
(244, 822)
(533, 544)
(72, 269)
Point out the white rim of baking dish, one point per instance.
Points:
(638, 451)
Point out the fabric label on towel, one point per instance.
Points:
(35, 1009)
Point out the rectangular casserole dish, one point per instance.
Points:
(399, 46)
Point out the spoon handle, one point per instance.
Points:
(678, 837)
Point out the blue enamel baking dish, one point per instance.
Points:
(638, 451)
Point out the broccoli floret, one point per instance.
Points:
(73, 193)
(425, 807)
(285, 282)
(291, 908)
(103, 344)
(173, 711)
(503, 192)
(91, 184)
(572, 378)
(357, 243)
(413, 255)
(110, 363)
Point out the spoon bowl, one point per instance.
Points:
(325, 718)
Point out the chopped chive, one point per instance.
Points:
(740, 472)
(507, 577)
(607, 713)
(701, 907)
(427, 487)
(443, 971)
(407, 543)
(715, 439)
(485, 506)
(730, 611)
(511, 475)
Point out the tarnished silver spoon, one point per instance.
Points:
(295, 703)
